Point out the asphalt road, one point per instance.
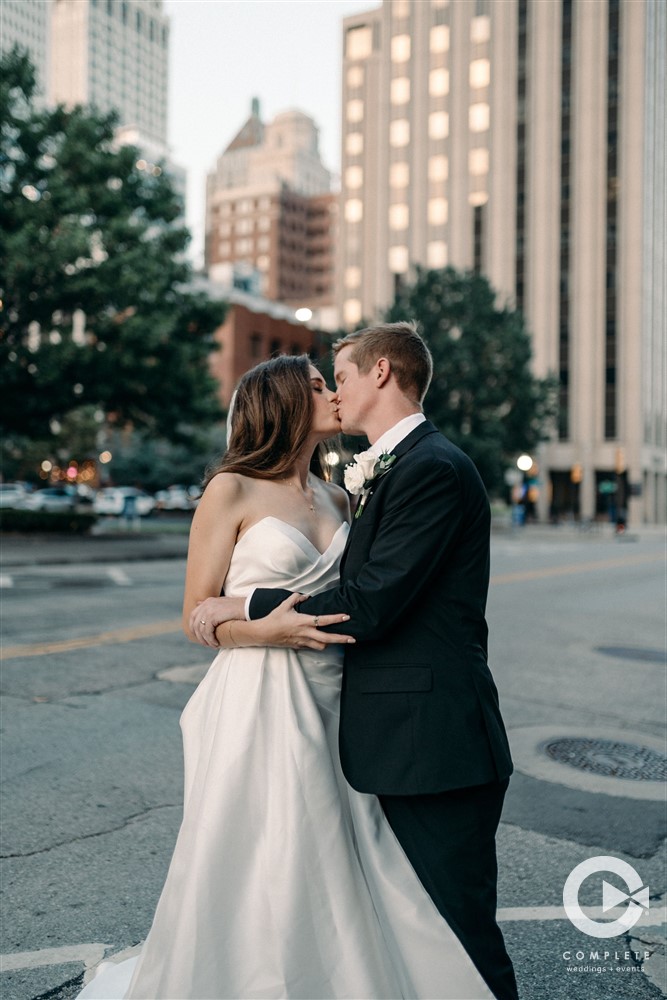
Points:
(95, 675)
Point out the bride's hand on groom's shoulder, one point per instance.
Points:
(287, 627)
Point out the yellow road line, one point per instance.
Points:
(100, 639)
(174, 624)
(547, 571)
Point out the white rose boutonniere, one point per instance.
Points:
(360, 475)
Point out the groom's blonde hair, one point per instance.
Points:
(410, 358)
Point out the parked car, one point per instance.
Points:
(178, 498)
(13, 494)
(112, 501)
(52, 499)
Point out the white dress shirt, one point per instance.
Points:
(388, 441)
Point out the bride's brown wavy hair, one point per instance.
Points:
(271, 419)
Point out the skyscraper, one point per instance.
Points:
(113, 54)
(271, 217)
(521, 139)
(27, 23)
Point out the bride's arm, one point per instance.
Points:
(215, 527)
(283, 627)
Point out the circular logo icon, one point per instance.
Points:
(636, 897)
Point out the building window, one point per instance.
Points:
(436, 254)
(437, 211)
(256, 345)
(400, 8)
(399, 132)
(354, 177)
(359, 42)
(355, 77)
(399, 175)
(400, 48)
(355, 110)
(478, 162)
(438, 168)
(564, 303)
(399, 216)
(398, 260)
(480, 73)
(439, 39)
(479, 117)
(400, 90)
(438, 125)
(478, 238)
(438, 82)
(354, 144)
(352, 277)
(352, 311)
(480, 29)
(611, 304)
(521, 158)
(354, 210)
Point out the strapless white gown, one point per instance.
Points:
(284, 881)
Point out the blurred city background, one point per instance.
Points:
(501, 178)
(191, 186)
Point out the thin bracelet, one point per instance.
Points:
(231, 638)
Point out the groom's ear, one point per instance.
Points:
(382, 371)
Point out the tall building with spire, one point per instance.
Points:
(271, 216)
(526, 140)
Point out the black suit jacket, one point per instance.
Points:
(419, 708)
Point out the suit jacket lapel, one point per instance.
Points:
(408, 442)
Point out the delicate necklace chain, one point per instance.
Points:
(311, 502)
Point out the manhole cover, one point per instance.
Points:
(634, 653)
(610, 758)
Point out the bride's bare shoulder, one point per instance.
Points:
(339, 498)
(225, 489)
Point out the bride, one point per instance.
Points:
(284, 882)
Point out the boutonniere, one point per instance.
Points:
(360, 475)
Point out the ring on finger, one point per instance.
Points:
(201, 621)
(316, 620)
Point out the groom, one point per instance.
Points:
(420, 725)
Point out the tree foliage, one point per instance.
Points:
(484, 396)
(95, 311)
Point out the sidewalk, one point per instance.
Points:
(114, 545)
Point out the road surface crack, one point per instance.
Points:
(129, 820)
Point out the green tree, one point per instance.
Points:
(484, 396)
(95, 306)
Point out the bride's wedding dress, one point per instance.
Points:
(284, 881)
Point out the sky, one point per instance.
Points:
(223, 53)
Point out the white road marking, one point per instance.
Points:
(91, 955)
(6, 581)
(119, 576)
(88, 954)
(191, 674)
(655, 916)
